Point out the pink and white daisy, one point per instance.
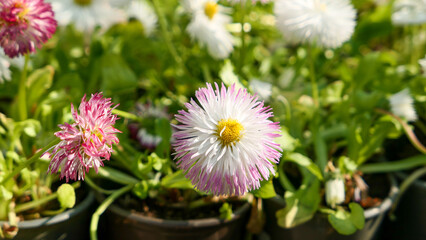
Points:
(25, 25)
(86, 143)
(225, 143)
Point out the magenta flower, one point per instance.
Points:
(86, 143)
(225, 144)
(25, 25)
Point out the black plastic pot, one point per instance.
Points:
(119, 223)
(319, 228)
(69, 225)
(410, 214)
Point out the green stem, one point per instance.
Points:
(166, 35)
(394, 166)
(243, 37)
(101, 209)
(34, 158)
(320, 148)
(284, 180)
(314, 84)
(29, 205)
(127, 115)
(117, 176)
(22, 91)
(53, 212)
(406, 184)
(96, 187)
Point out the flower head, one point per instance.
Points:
(87, 142)
(327, 23)
(402, 105)
(335, 192)
(208, 26)
(25, 25)
(409, 12)
(87, 14)
(225, 143)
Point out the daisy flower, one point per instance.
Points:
(25, 25)
(402, 105)
(253, 1)
(208, 26)
(409, 12)
(86, 143)
(225, 143)
(141, 11)
(87, 14)
(327, 23)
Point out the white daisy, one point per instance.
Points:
(402, 105)
(225, 143)
(208, 26)
(144, 13)
(327, 23)
(86, 14)
(409, 12)
(422, 63)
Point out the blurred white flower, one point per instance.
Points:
(422, 63)
(208, 26)
(409, 12)
(334, 192)
(86, 14)
(261, 88)
(5, 73)
(402, 105)
(6, 62)
(253, 1)
(144, 13)
(327, 23)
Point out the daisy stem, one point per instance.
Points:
(168, 39)
(34, 158)
(314, 84)
(243, 36)
(101, 209)
(22, 91)
(405, 185)
(29, 205)
(127, 115)
(393, 166)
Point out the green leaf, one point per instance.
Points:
(357, 215)
(266, 190)
(300, 205)
(347, 223)
(287, 142)
(164, 130)
(66, 196)
(340, 220)
(305, 162)
(117, 77)
(141, 190)
(5, 194)
(38, 83)
(176, 180)
(228, 76)
(226, 211)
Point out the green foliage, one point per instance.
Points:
(66, 196)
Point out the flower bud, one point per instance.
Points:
(334, 192)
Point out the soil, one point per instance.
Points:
(173, 206)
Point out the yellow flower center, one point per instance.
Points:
(210, 9)
(98, 134)
(229, 131)
(83, 2)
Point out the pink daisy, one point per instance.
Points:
(88, 141)
(25, 25)
(225, 144)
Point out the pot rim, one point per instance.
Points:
(370, 212)
(204, 222)
(61, 217)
